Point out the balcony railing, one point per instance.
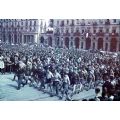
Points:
(82, 24)
(77, 34)
(107, 23)
(100, 34)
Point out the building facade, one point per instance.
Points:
(19, 31)
(100, 34)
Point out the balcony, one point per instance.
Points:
(77, 34)
(100, 34)
(82, 24)
(66, 34)
(49, 32)
(113, 34)
(107, 22)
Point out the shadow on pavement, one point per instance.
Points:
(13, 86)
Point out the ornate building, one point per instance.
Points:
(85, 34)
(19, 31)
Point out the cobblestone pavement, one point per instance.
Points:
(8, 92)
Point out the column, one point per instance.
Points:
(91, 46)
(117, 49)
(35, 38)
(30, 38)
(108, 46)
(104, 45)
(84, 45)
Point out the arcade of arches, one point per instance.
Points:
(88, 43)
(67, 42)
(17, 38)
(77, 41)
(113, 45)
(50, 41)
(100, 45)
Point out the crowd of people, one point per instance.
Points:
(63, 72)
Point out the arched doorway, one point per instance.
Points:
(88, 43)
(100, 43)
(67, 42)
(50, 41)
(4, 40)
(57, 41)
(42, 40)
(9, 39)
(77, 40)
(113, 45)
(15, 38)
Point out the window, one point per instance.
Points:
(30, 23)
(72, 30)
(77, 21)
(26, 23)
(81, 45)
(100, 30)
(67, 30)
(114, 31)
(94, 31)
(106, 38)
(51, 23)
(114, 20)
(62, 30)
(22, 23)
(58, 22)
(88, 31)
(58, 30)
(62, 23)
(72, 22)
(107, 30)
(77, 29)
(82, 38)
(107, 22)
(82, 31)
(35, 23)
(94, 38)
(67, 22)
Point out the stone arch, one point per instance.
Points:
(15, 38)
(77, 42)
(42, 39)
(50, 41)
(113, 45)
(100, 43)
(88, 43)
(67, 42)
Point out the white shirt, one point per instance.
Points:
(113, 82)
(57, 76)
(66, 79)
(49, 75)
